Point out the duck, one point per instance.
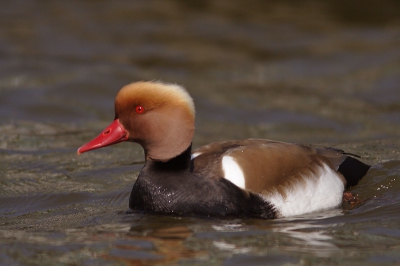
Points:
(251, 178)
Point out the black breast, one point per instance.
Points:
(171, 188)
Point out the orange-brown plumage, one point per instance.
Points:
(166, 127)
(153, 95)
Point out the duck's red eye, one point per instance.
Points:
(139, 109)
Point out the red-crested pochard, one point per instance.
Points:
(247, 178)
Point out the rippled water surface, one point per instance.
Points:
(325, 73)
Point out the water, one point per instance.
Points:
(325, 73)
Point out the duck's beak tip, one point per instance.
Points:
(113, 134)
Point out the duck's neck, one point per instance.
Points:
(178, 163)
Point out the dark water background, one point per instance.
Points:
(320, 72)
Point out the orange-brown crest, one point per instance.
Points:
(151, 95)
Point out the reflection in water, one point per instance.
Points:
(234, 249)
(111, 242)
(308, 238)
(305, 235)
(159, 247)
(228, 247)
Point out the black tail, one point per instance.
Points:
(353, 170)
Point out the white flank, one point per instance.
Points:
(194, 155)
(232, 171)
(315, 194)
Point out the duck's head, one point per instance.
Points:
(158, 116)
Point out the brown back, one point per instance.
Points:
(265, 164)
